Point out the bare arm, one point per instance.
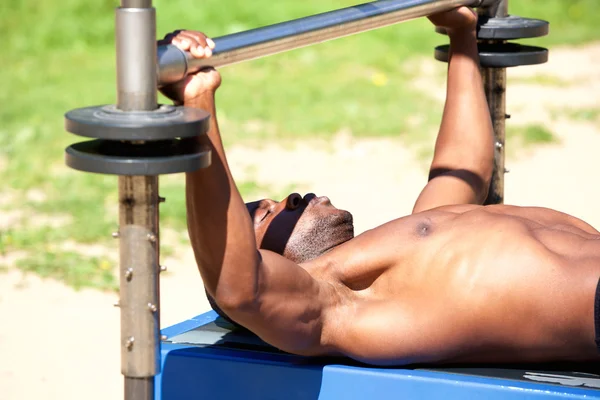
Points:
(268, 294)
(265, 292)
(463, 160)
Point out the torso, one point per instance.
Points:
(467, 283)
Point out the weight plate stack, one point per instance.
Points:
(501, 54)
(509, 28)
(156, 142)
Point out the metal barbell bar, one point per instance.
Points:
(174, 64)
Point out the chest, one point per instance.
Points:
(441, 257)
(392, 256)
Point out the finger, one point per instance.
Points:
(195, 48)
(198, 36)
(169, 36)
(198, 51)
(182, 43)
(198, 43)
(202, 41)
(185, 36)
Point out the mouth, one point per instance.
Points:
(345, 225)
(345, 218)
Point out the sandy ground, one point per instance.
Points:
(59, 343)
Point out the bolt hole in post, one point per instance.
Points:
(129, 274)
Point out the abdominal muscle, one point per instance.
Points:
(488, 286)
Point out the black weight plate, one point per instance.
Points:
(108, 122)
(502, 55)
(151, 158)
(512, 27)
(509, 28)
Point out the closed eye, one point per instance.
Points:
(266, 213)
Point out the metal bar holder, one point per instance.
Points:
(138, 208)
(139, 284)
(494, 83)
(138, 140)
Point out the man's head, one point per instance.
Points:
(300, 228)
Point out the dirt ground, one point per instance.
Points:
(59, 343)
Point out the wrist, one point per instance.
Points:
(205, 100)
(463, 41)
(462, 34)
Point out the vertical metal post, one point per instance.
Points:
(139, 284)
(136, 56)
(138, 207)
(494, 81)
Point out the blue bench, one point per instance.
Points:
(205, 358)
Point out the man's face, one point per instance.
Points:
(300, 228)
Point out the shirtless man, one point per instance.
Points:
(453, 282)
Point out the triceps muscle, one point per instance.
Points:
(291, 309)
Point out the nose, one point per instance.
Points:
(293, 201)
(308, 197)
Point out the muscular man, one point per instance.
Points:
(453, 282)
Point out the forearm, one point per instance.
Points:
(465, 140)
(219, 225)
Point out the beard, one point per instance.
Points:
(323, 234)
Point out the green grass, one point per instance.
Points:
(586, 114)
(529, 135)
(572, 22)
(91, 224)
(72, 268)
(59, 55)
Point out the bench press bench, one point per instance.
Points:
(206, 357)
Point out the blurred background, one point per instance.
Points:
(354, 119)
